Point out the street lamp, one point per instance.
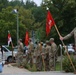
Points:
(16, 11)
(33, 36)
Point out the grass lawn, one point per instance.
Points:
(58, 67)
(33, 69)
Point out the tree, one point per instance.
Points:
(63, 12)
(3, 4)
(14, 3)
(7, 22)
(30, 4)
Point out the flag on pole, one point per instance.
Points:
(26, 38)
(49, 22)
(9, 38)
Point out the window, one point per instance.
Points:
(4, 49)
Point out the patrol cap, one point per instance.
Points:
(20, 40)
(41, 42)
(30, 39)
(51, 39)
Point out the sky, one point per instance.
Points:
(38, 2)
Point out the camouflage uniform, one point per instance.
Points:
(43, 55)
(73, 32)
(48, 48)
(52, 54)
(38, 58)
(19, 55)
(30, 53)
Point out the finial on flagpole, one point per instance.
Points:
(47, 8)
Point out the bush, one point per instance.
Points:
(67, 67)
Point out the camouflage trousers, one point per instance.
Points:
(19, 59)
(51, 64)
(39, 63)
(29, 59)
(47, 62)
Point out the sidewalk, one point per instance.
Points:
(10, 70)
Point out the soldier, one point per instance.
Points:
(73, 32)
(43, 55)
(52, 54)
(19, 55)
(35, 53)
(47, 49)
(30, 52)
(39, 57)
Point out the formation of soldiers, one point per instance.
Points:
(43, 56)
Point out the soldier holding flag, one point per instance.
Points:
(73, 32)
(50, 23)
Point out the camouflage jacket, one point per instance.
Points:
(73, 32)
(53, 50)
(31, 47)
(20, 48)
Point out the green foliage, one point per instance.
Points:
(3, 4)
(63, 12)
(30, 4)
(6, 23)
(32, 17)
(58, 67)
(67, 67)
(14, 3)
(39, 14)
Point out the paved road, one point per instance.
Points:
(9, 70)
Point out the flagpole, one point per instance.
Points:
(65, 47)
(49, 17)
(9, 36)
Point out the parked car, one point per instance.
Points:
(25, 49)
(7, 54)
(70, 49)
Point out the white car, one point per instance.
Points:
(7, 54)
(70, 49)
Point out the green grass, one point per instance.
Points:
(33, 69)
(58, 68)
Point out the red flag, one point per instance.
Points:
(9, 38)
(49, 22)
(26, 39)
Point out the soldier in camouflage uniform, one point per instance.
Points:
(35, 53)
(30, 53)
(52, 54)
(47, 49)
(43, 55)
(38, 58)
(19, 55)
(73, 32)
